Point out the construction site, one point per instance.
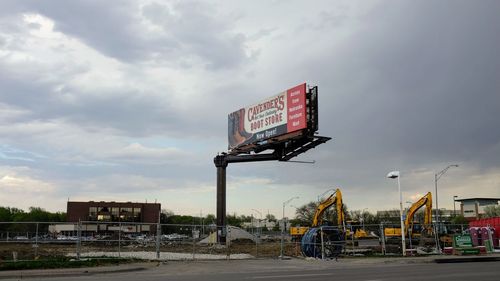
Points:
(279, 128)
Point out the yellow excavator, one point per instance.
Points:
(359, 232)
(426, 201)
(323, 240)
(336, 198)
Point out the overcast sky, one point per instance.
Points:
(128, 100)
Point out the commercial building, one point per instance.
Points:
(109, 217)
(473, 208)
(113, 212)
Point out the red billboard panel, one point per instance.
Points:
(275, 116)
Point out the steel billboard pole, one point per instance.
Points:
(220, 162)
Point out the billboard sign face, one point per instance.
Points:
(275, 116)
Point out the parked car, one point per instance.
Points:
(174, 237)
(21, 238)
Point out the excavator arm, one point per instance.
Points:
(335, 198)
(427, 201)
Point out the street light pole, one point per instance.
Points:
(436, 178)
(283, 228)
(409, 205)
(393, 175)
(363, 217)
(260, 220)
(454, 208)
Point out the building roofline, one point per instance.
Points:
(121, 202)
(475, 199)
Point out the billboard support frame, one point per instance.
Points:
(283, 149)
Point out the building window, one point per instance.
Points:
(137, 214)
(102, 210)
(103, 217)
(92, 213)
(115, 213)
(126, 214)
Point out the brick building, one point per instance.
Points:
(109, 217)
(113, 212)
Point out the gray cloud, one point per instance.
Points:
(413, 86)
(191, 32)
(126, 111)
(112, 32)
(403, 85)
(427, 89)
(199, 30)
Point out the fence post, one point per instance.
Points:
(228, 241)
(79, 239)
(257, 238)
(322, 244)
(282, 240)
(352, 240)
(490, 237)
(36, 241)
(382, 237)
(193, 232)
(436, 238)
(158, 237)
(410, 234)
(120, 239)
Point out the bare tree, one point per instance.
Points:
(492, 211)
(304, 214)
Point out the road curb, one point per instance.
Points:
(65, 273)
(466, 259)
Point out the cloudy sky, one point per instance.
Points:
(128, 100)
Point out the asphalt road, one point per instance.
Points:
(290, 270)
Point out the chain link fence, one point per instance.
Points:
(43, 240)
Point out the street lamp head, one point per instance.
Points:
(393, 175)
(289, 200)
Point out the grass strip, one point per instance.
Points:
(61, 262)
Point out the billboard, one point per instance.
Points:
(275, 116)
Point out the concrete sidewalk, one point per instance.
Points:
(436, 259)
(455, 259)
(81, 271)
